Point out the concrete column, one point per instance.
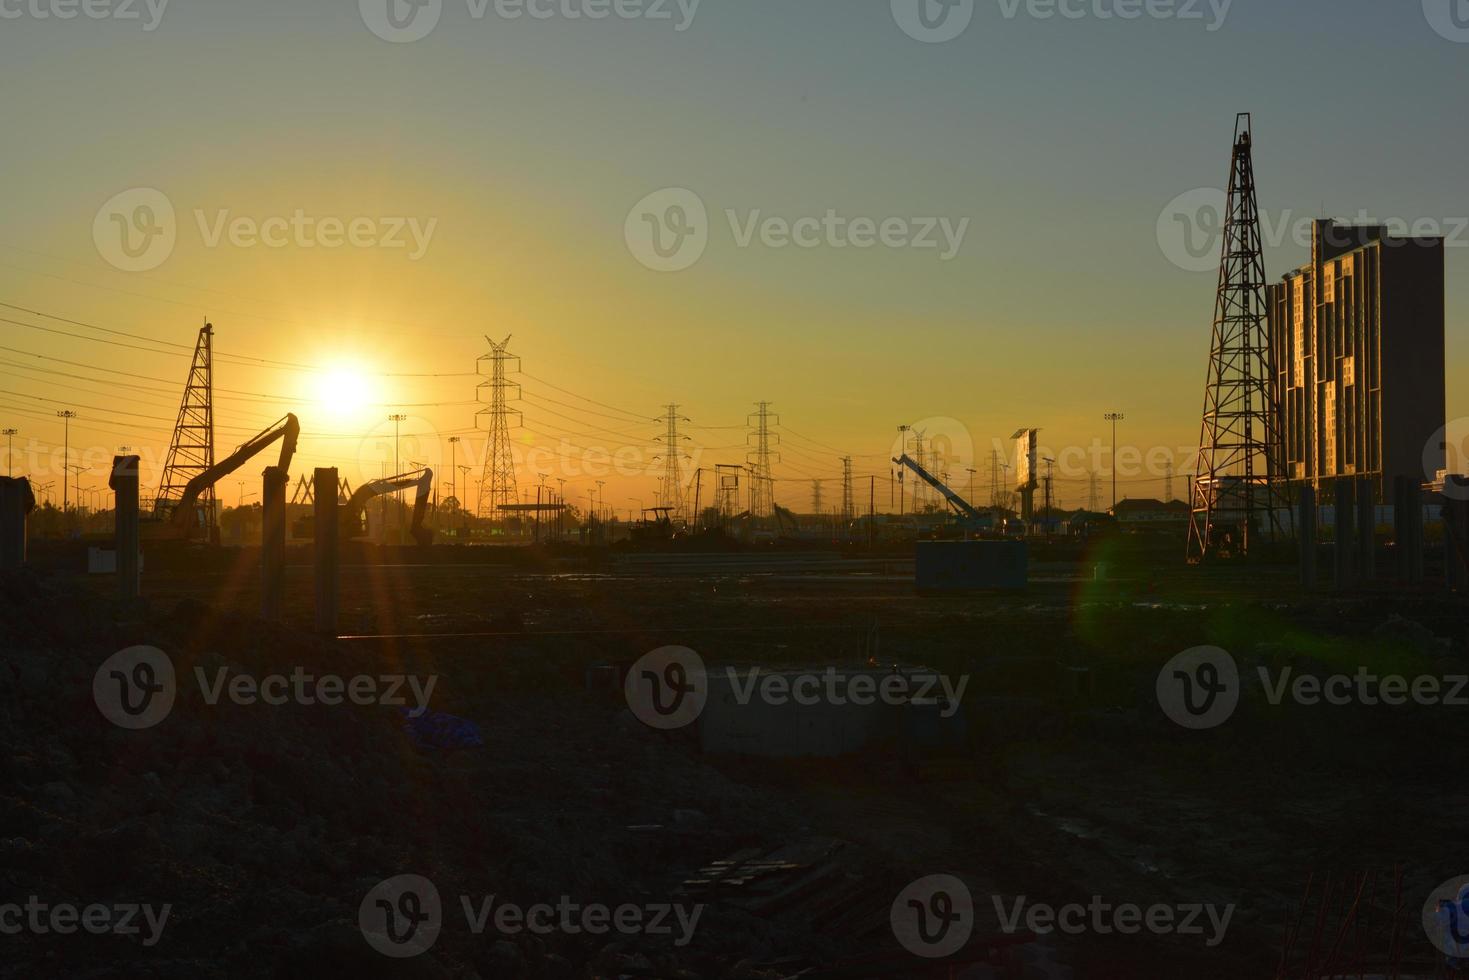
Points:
(1367, 530)
(1415, 531)
(328, 557)
(273, 541)
(16, 501)
(1306, 527)
(1345, 508)
(124, 484)
(1400, 531)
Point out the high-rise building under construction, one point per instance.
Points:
(1357, 338)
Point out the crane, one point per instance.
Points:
(179, 519)
(352, 513)
(969, 518)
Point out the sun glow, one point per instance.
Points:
(344, 391)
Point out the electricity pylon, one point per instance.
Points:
(497, 479)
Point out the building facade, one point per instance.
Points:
(1357, 340)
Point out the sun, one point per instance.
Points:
(343, 391)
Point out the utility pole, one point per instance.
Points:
(849, 508)
(816, 497)
(1168, 482)
(560, 505)
(1047, 518)
(971, 471)
(397, 469)
(1114, 418)
(9, 449)
(66, 415)
(1093, 492)
(454, 471)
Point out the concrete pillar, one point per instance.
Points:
(1345, 516)
(1400, 533)
(16, 501)
(124, 484)
(272, 541)
(1306, 526)
(328, 557)
(1367, 530)
(1415, 531)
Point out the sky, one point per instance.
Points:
(860, 219)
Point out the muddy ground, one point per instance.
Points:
(264, 827)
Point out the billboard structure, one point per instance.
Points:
(1025, 470)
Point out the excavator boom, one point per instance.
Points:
(287, 429)
(960, 505)
(351, 515)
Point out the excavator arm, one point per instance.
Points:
(351, 515)
(288, 430)
(960, 505)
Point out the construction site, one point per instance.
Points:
(439, 670)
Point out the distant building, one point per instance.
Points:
(1357, 338)
(1146, 513)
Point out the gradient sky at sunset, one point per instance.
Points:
(523, 144)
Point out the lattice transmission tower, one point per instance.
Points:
(1237, 480)
(673, 495)
(762, 493)
(497, 479)
(191, 451)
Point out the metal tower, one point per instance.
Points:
(497, 479)
(1239, 466)
(191, 451)
(816, 497)
(762, 496)
(672, 458)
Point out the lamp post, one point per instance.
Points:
(66, 415)
(1114, 418)
(453, 470)
(397, 494)
(9, 449)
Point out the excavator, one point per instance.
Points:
(180, 520)
(352, 515)
(970, 519)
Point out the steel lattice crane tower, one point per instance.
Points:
(191, 450)
(497, 479)
(762, 495)
(672, 459)
(1237, 480)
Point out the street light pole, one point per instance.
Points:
(66, 415)
(453, 469)
(10, 450)
(397, 494)
(1114, 418)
